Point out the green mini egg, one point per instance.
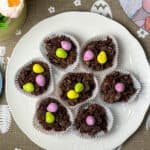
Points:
(71, 94)
(49, 118)
(28, 87)
(79, 87)
(61, 53)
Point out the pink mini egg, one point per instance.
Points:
(40, 80)
(90, 120)
(52, 107)
(119, 87)
(66, 45)
(88, 55)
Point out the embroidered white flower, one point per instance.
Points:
(77, 2)
(148, 122)
(51, 9)
(18, 32)
(101, 7)
(142, 33)
(5, 119)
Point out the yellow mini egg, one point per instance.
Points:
(49, 118)
(102, 57)
(28, 87)
(71, 94)
(37, 68)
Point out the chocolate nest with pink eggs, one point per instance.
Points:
(61, 117)
(94, 49)
(67, 57)
(91, 120)
(27, 75)
(117, 87)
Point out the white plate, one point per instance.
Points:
(83, 25)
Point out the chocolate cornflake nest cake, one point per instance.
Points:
(61, 50)
(77, 87)
(34, 78)
(52, 115)
(117, 87)
(91, 120)
(99, 55)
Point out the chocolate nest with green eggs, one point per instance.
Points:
(99, 55)
(61, 51)
(117, 87)
(91, 120)
(34, 78)
(51, 115)
(77, 87)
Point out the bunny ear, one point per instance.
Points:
(5, 119)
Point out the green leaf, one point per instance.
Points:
(1, 15)
(3, 25)
(3, 18)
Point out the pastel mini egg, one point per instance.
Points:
(28, 87)
(61, 53)
(79, 87)
(66, 45)
(37, 68)
(90, 120)
(88, 55)
(102, 57)
(40, 80)
(119, 87)
(49, 118)
(52, 107)
(71, 94)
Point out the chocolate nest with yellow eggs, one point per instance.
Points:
(61, 51)
(77, 87)
(99, 55)
(52, 115)
(34, 78)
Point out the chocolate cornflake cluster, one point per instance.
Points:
(62, 118)
(27, 75)
(109, 89)
(97, 48)
(68, 83)
(100, 120)
(52, 44)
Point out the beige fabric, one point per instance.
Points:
(37, 11)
